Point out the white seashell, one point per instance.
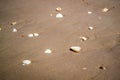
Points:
(30, 35)
(36, 34)
(84, 38)
(89, 12)
(58, 9)
(105, 10)
(14, 30)
(90, 28)
(26, 62)
(48, 51)
(59, 15)
(75, 48)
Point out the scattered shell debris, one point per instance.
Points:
(26, 62)
(33, 35)
(59, 15)
(58, 9)
(83, 38)
(90, 28)
(36, 34)
(105, 10)
(13, 23)
(48, 51)
(14, 30)
(89, 12)
(102, 67)
(75, 48)
(30, 35)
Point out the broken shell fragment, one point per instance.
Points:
(105, 10)
(75, 48)
(48, 51)
(58, 9)
(59, 15)
(83, 38)
(30, 35)
(89, 12)
(90, 28)
(13, 23)
(36, 34)
(14, 30)
(26, 62)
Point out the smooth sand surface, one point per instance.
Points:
(38, 16)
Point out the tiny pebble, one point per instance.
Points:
(48, 51)
(26, 62)
(30, 35)
(59, 15)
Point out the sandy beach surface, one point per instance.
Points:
(98, 59)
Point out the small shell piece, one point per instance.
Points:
(30, 35)
(83, 38)
(14, 30)
(26, 62)
(89, 12)
(90, 28)
(58, 9)
(48, 51)
(75, 48)
(105, 10)
(36, 34)
(59, 15)
(13, 23)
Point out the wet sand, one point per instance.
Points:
(33, 16)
